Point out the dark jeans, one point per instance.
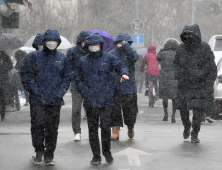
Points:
(44, 128)
(154, 79)
(128, 104)
(94, 116)
(196, 122)
(2, 103)
(77, 100)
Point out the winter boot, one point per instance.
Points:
(130, 133)
(115, 135)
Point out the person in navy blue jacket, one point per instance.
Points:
(73, 55)
(46, 75)
(95, 84)
(125, 96)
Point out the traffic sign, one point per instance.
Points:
(138, 40)
(137, 25)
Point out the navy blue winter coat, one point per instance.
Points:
(46, 74)
(95, 80)
(74, 54)
(128, 57)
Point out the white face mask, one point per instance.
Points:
(40, 47)
(82, 44)
(94, 48)
(51, 45)
(119, 45)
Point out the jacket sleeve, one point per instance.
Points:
(176, 66)
(212, 75)
(80, 78)
(66, 76)
(132, 55)
(28, 75)
(70, 59)
(118, 66)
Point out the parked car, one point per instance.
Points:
(215, 43)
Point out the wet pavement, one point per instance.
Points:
(157, 145)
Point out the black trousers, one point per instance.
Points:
(44, 128)
(128, 104)
(196, 122)
(94, 116)
(2, 103)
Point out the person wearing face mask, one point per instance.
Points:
(125, 96)
(38, 41)
(73, 55)
(195, 71)
(94, 79)
(46, 75)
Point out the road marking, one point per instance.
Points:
(132, 155)
(140, 112)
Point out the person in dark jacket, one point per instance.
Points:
(95, 83)
(73, 55)
(20, 56)
(125, 96)
(196, 72)
(139, 75)
(167, 81)
(38, 41)
(5, 67)
(46, 75)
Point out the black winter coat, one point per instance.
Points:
(167, 81)
(195, 71)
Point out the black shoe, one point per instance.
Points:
(186, 132)
(209, 120)
(109, 159)
(49, 161)
(165, 118)
(38, 158)
(96, 160)
(195, 139)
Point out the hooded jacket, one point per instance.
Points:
(151, 62)
(46, 74)
(128, 57)
(38, 40)
(167, 81)
(74, 54)
(94, 76)
(195, 71)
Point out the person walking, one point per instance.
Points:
(195, 71)
(46, 75)
(152, 71)
(125, 95)
(167, 81)
(94, 80)
(5, 67)
(139, 75)
(73, 55)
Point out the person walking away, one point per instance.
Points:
(46, 75)
(5, 67)
(167, 81)
(125, 95)
(195, 71)
(139, 75)
(94, 80)
(152, 72)
(73, 55)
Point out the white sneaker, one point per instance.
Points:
(34, 154)
(77, 137)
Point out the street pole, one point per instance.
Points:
(136, 9)
(192, 19)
